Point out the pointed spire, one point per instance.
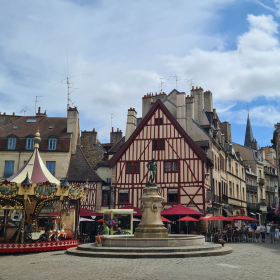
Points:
(249, 133)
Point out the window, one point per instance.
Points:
(12, 143)
(172, 195)
(105, 196)
(159, 121)
(15, 127)
(123, 196)
(52, 144)
(158, 144)
(9, 168)
(171, 166)
(51, 167)
(29, 144)
(31, 120)
(132, 167)
(236, 169)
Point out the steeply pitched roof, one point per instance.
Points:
(117, 146)
(248, 134)
(158, 104)
(80, 170)
(24, 128)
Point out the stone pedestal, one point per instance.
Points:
(151, 225)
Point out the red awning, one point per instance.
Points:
(137, 210)
(180, 210)
(100, 220)
(83, 212)
(244, 218)
(187, 219)
(214, 218)
(165, 220)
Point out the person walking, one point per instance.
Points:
(272, 232)
(277, 231)
(262, 231)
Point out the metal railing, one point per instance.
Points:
(251, 188)
(255, 206)
(262, 201)
(261, 181)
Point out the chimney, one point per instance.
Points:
(115, 136)
(226, 130)
(198, 95)
(88, 139)
(208, 101)
(39, 114)
(189, 111)
(14, 114)
(149, 99)
(131, 122)
(73, 127)
(181, 109)
(4, 113)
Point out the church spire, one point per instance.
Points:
(249, 133)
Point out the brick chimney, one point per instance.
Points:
(73, 127)
(198, 95)
(208, 101)
(189, 111)
(131, 122)
(115, 136)
(181, 109)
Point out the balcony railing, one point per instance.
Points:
(221, 199)
(272, 189)
(255, 206)
(262, 201)
(251, 188)
(267, 188)
(261, 181)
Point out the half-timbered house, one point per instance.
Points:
(182, 164)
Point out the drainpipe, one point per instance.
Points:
(18, 160)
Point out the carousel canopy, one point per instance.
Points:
(35, 168)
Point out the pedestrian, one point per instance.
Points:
(168, 228)
(262, 231)
(277, 231)
(105, 235)
(272, 232)
(217, 239)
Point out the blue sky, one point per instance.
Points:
(230, 47)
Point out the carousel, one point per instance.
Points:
(30, 193)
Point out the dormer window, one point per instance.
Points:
(12, 143)
(29, 144)
(52, 144)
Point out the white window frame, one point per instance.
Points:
(12, 143)
(29, 144)
(52, 143)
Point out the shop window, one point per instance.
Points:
(158, 144)
(172, 195)
(171, 166)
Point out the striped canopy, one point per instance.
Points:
(35, 168)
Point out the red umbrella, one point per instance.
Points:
(165, 220)
(180, 210)
(188, 219)
(245, 218)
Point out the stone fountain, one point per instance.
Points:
(151, 239)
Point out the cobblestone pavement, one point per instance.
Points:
(248, 261)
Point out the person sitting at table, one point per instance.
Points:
(229, 230)
(217, 239)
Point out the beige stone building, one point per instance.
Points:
(59, 139)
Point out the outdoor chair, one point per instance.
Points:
(236, 236)
(229, 237)
(242, 237)
(258, 237)
(208, 237)
(250, 236)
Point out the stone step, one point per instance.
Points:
(205, 247)
(133, 255)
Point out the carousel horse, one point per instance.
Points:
(61, 232)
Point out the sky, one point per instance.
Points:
(117, 48)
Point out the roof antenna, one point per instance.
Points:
(24, 110)
(176, 79)
(68, 82)
(36, 100)
(191, 82)
(112, 116)
(162, 83)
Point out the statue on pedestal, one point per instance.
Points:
(152, 166)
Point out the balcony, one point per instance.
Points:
(251, 188)
(272, 189)
(253, 206)
(262, 202)
(267, 188)
(261, 181)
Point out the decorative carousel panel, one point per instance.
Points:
(45, 190)
(8, 189)
(75, 192)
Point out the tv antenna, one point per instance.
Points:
(36, 100)
(177, 78)
(162, 83)
(112, 116)
(67, 81)
(191, 82)
(24, 110)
